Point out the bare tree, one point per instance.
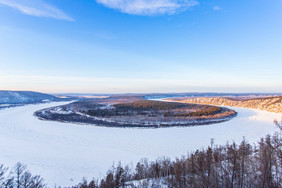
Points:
(3, 170)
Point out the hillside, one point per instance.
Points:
(270, 104)
(25, 97)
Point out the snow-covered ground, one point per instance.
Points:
(63, 153)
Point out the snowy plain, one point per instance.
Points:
(63, 153)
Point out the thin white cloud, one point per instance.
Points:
(36, 8)
(149, 7)
(216, 8)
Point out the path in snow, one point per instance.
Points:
(63, 153)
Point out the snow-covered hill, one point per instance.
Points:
(23, 97)
(270, 104)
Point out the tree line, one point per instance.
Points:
(230, 165)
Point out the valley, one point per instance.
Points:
(64, 153)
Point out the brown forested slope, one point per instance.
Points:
(270, 104)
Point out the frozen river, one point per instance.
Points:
(63, 153)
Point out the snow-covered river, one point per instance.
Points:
(63, 153)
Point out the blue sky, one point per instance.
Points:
(120, 46)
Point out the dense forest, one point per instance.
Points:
(153, 105)
(231, 165)
(156, 108)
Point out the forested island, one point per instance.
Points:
(135, 112)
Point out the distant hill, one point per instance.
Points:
(170, 95)
(209, 94)
(26, 97)
(270, 104)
